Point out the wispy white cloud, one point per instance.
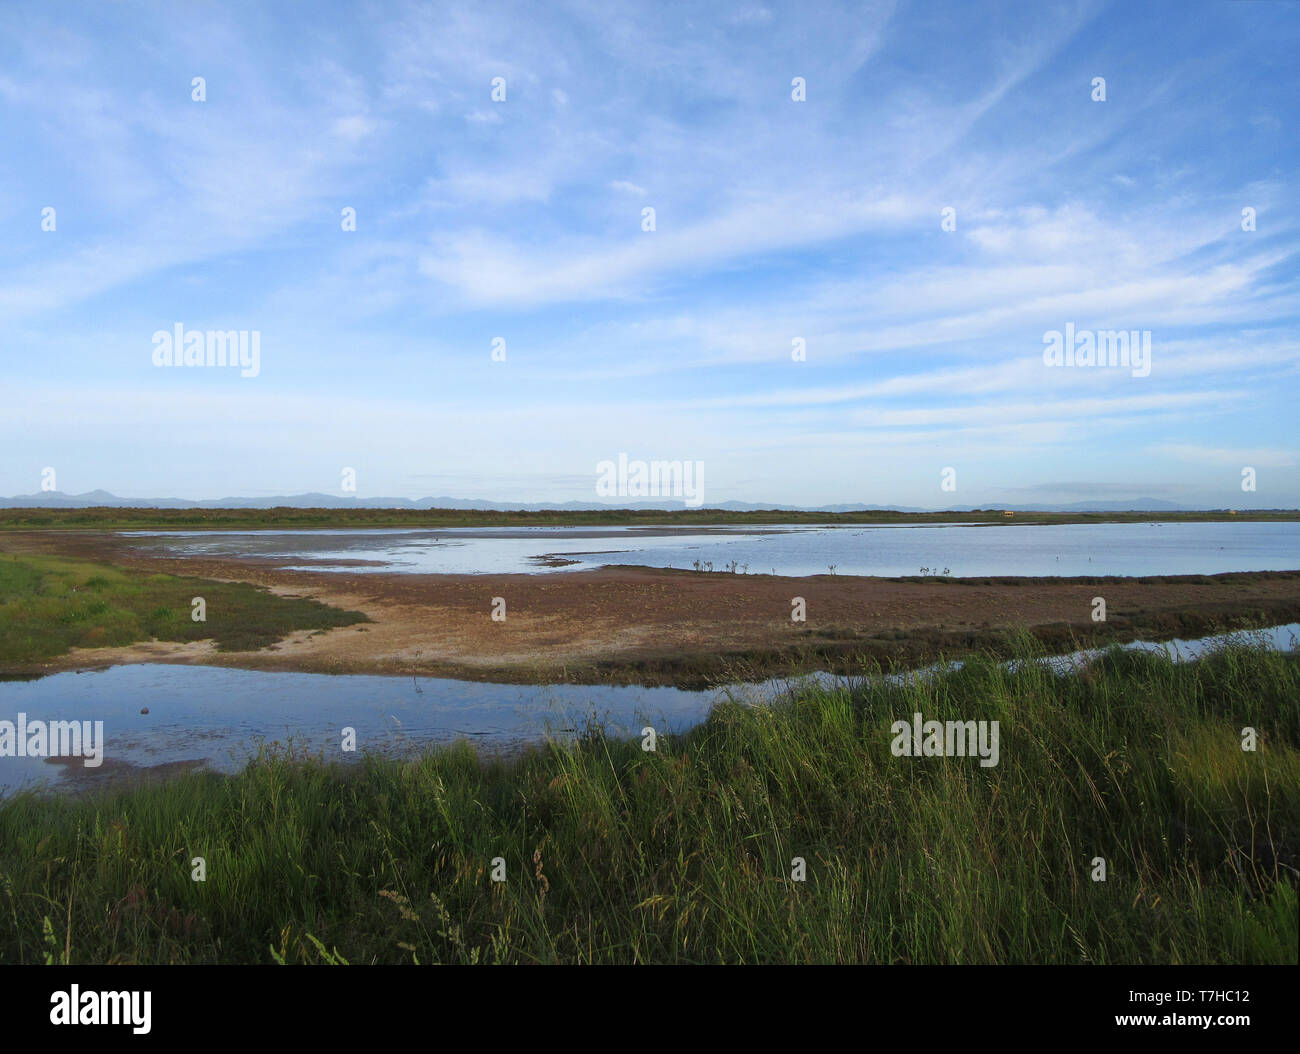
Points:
(1203, 455)
(776, 220)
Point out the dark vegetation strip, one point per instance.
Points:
(847, 650)
(285, 517)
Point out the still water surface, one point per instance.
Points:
(964, 550)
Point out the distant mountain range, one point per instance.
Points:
(102, 498)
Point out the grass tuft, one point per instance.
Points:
(49, 605)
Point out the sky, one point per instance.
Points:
(799, 317)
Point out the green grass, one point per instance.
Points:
(51, 604)
(614, 854)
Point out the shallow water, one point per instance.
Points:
(964, 550)
(220, 716)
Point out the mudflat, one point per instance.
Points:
(657, 626)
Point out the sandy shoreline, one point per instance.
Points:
(657, 626)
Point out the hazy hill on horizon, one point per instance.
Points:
(317, 500)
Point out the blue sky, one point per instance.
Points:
(775, 220)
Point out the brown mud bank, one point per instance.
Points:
(691, 629)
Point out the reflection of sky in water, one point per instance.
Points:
(221, 715)
(1148, 548)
